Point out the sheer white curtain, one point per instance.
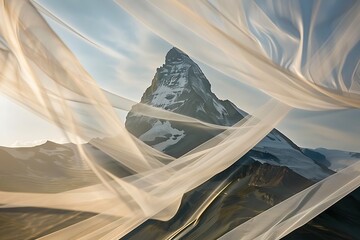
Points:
(244, 40)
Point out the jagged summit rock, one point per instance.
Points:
(180, 86)
(176, 54)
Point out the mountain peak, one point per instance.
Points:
(180, 86)
(176, 55)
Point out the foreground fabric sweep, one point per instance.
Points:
(39, 71)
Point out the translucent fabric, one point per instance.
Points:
(275, 46)
(241, 39)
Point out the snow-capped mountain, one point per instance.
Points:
(275, 169)
(180, 86)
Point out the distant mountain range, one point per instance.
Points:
(272, 171)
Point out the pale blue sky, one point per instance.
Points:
(126, 64)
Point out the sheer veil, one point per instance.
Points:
(299, 61)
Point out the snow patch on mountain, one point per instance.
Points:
(273, 141)
(293, 159)
(173, 85)
(220, 108)
(339, 159)
(173, 139)
(162, 135)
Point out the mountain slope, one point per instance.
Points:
(339, 222)
(249, 187)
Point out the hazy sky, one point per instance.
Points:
(125, 64)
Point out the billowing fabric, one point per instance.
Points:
(296, 53)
